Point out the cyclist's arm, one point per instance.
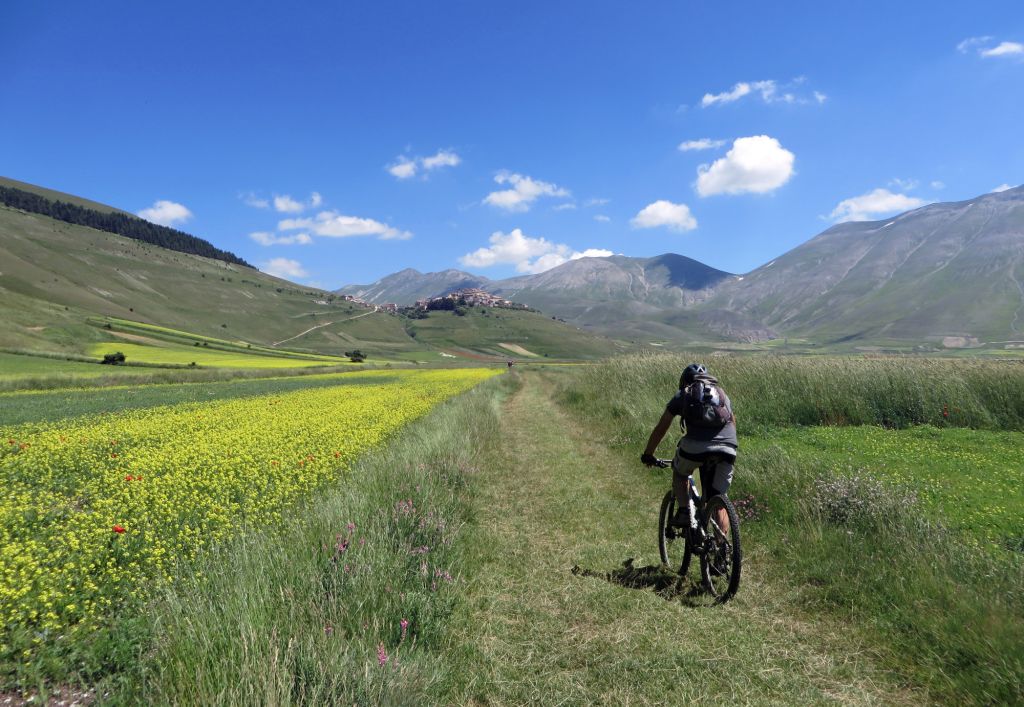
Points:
(659, 432)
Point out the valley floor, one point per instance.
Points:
(551, 496)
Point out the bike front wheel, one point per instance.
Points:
(673, 543)
(723, 557)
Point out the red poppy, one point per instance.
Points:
(129, 477)
(118, 529)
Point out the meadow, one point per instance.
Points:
(887, 490)
(200, 356)
(99, 509)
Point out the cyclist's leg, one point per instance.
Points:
(682, 479)
(715, 478)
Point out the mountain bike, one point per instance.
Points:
(721, 556)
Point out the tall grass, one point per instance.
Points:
(947, 610)
(770, 391)
(347, 604)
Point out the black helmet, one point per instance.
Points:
(690, 373)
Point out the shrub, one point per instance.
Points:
(113, 359)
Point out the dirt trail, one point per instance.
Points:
(320, 326)
(552, 497)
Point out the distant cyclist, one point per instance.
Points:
(708, 442)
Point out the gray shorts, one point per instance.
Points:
(715, 475)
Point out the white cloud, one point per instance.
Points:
(287, 205)
(592, 253)
(602, 218)
(879, 202)
(903, 184)
(985, 50)
(738, 91)
(443, 158)
(1001, 187)
(406, 168)
(284, 268)
(769, 90)
(523, 193)
(331, 224)
(966, 45)
(567, 206)
(596, 202)
(251, 199)
(166, 213)
(1004, 49)
(702, 144)
(936, 184)
(315, 199)
(756, 164)
(264, 238)
(677, 217)
(403, 169)
(528, 255)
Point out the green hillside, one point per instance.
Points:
(64, 285)
(54, 275)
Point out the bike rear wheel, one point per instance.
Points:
(723, 557)
(673, 543)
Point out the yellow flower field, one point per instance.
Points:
(93, 508)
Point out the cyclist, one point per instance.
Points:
(708, 441)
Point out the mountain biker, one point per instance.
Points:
(708, 445)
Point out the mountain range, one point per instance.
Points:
(947, 273)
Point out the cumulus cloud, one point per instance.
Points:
(971, 42)
(903, 184)
(285, 204)
(525, 190)
(265, 238)
(1001, 187)
(443, 158)
(284, 268)
(985, 49)
(251, 199)
(872, 205)
(702, 144)
(166, 213)
(757, 164)
(403, 168)
(528, 255)
(676, 217)
(769, 91)
(1004, 49)
(331, 224)
(406, 167)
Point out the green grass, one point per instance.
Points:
(14, 366)
(944, 612)
(481, 330)
(201, 356)
(272, 618)
(967, 479)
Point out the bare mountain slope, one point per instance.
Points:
(947, 269)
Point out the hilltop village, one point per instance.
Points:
(468, 297)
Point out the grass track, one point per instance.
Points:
(553, 496)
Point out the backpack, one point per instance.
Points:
(704, 405)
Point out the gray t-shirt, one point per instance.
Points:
(710, 436)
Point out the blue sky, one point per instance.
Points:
(336, 142)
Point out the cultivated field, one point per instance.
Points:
(98, 509)
(344, 538)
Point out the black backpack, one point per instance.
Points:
(704, 405)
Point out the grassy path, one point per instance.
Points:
(553, 497)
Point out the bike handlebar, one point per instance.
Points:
(663, 463)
